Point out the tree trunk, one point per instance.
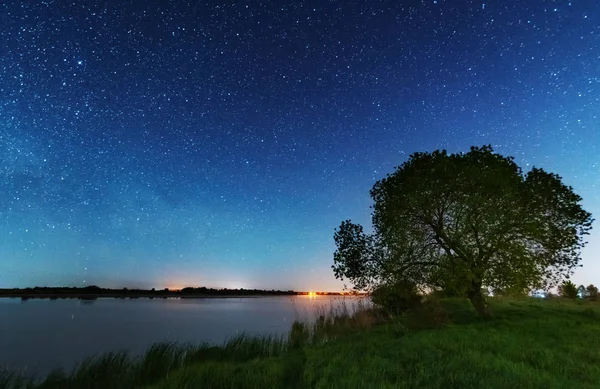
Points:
(478, 300)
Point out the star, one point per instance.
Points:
(165, 146)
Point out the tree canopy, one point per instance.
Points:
(464, 221)
(568, 289)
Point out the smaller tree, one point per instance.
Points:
(592, 292)
(568, 289)
(582, 291)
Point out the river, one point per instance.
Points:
(39, 335)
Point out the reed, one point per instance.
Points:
(121, 370)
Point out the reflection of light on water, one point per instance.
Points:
(309, 306)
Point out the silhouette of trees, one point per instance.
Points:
(592, 292)
(568, 289)
(464, 221)
(93, 291)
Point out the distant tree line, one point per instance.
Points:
(93, 291)
(569, 290)
(203, 291)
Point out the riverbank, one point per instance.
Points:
(528, 344)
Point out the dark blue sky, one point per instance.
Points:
(155, 143)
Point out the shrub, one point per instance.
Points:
(431, 314)
(397, 297)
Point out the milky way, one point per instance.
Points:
(155, 143)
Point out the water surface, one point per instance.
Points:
(41, 334)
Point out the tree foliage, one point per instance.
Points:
(354, 246)
(591, 292)
(512, 291)
(463, 221)
(568, 289)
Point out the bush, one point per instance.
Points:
(395, 298)
(428, 315)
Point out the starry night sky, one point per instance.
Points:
(155, 143)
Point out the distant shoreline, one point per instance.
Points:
(94, 292)
(134, 296)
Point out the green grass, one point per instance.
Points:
(527, 344)
(120, 370)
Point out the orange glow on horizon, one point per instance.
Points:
(174, 288)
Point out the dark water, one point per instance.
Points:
(39, 335)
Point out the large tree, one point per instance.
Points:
(465, 221)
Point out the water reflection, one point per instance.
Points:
(43, 334)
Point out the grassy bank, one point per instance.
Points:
(528, 344)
